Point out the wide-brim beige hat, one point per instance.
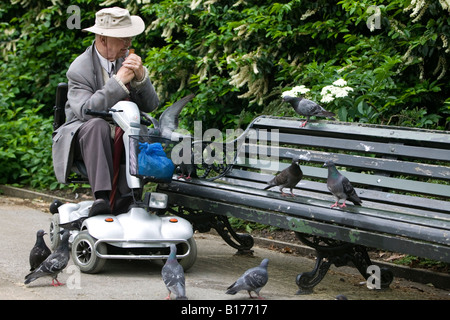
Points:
(117, 22)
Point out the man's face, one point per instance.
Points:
(117, 47)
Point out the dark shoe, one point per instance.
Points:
(100, 206)
(122, 205)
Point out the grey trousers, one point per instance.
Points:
(95, 147)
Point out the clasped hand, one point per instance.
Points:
(132, 68)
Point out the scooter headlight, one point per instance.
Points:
(158, 200)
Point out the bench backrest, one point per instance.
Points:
(386, 164)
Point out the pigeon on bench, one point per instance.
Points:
(340, 186)
(307, 108)
(288, 178)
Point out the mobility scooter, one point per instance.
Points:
(145, 232)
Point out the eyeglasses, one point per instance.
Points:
(127, 40)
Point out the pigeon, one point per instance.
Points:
(54, 263)
(173, 276)
(39, 252)
(340, 186)
(288, 178)
(254, 279)
(307, 108)
(168, 121)
(188, 170)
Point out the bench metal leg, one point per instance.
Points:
(204, 221)
(340, 254)
(241, 241)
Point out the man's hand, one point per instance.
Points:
(134, 62)
(125, 74)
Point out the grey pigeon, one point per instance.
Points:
(55, 262)
(340, 186)
(39, 252)
(173, 276)
(288, 178)
(307, 108)
(168, 121)
(254, 279)
(188, 170)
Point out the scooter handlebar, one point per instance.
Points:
(100, 113)
(105, 114)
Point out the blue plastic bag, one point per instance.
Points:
(153, 162)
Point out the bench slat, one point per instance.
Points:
(379, 148)
(355, 161)
(412, 135)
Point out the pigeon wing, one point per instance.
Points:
(54, 264)
(151, 119)
(350, 192)
(256, 279)
(168, 120)
(310, 108)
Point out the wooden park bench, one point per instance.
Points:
(401, 174)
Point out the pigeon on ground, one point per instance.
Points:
(340, 186)
(288, 178)
(168, 121)
(173, 276)
(39, 252)
(55, 262)
(307, 108)
(254, 279)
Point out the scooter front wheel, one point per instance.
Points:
(83, 253)
(188, 261)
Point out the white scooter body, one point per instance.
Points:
(137, 228)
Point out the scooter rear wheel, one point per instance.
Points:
(83, 253)
(55, 238)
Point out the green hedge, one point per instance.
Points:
(237, 57)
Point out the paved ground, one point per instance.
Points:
(216, 268)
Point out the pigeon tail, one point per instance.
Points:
(328, 114)
(231, 289)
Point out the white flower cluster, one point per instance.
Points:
(245, 73)
(337, 90)
(418, 7)
(445, 4)
(308, 13)
(295, 91)
(445, 43)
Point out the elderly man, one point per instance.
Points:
(99, 78)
